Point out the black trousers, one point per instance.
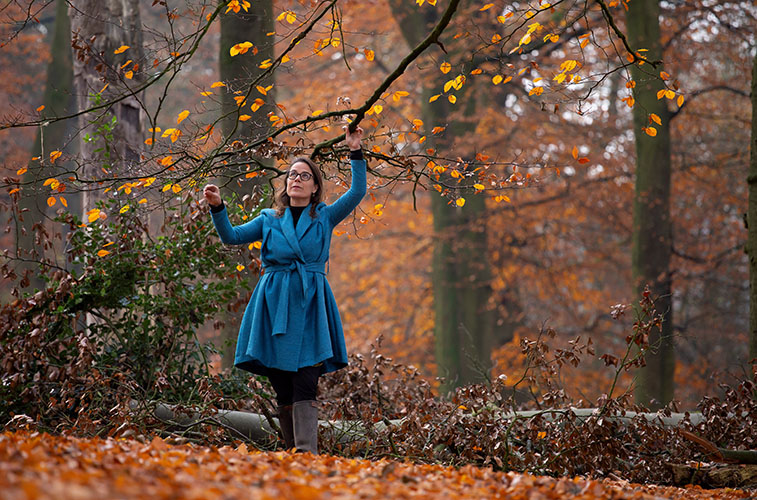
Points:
(291, 387)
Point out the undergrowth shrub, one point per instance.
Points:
(120, 324)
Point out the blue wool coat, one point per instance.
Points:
(292, 320)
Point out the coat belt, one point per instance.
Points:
(281, 314)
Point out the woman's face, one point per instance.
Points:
(300, 184)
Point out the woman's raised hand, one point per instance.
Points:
(353, 138)
(212, 195)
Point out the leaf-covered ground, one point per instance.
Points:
(35, 465)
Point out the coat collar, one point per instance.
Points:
(293, 234)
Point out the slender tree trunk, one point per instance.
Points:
(238, 72)
(461, 273)
(57, 102)
(652, 239)
(752, 223)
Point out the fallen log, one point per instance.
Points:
(715, 476)
(260, 429)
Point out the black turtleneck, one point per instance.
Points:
(296, 212)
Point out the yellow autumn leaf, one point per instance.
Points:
(142, 201)
(54, 155)
(93, 214)
(650, 131)
(369, 54)
(497, 79)
(479, 187)
(121, 49)
(176, 188)
(257, 104)
(244, 118)
(399, 95)
(536, 91)
(434, 97)
(63, 201)
(124, 209)
(240, 267)
(660, 94)
(460, 202)
(679, 101)
(265, 64)
(51, 201)
(102, 253)
(669, 94)
(166, 188)
(655, 119)
(182, 116)
(217, 84)
(129, 75)
(240, 48)
(486, 7)
(21, 171)
(445, 67)
(496, 38)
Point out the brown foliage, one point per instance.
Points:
(41, 466)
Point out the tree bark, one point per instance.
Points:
(238, 72)
(752, 223)
(652, 239)
(461, 271)
(53, 136)
(99, 28)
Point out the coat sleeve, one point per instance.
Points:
(237, 235)
(346, 203)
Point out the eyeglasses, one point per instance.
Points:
(304, 176)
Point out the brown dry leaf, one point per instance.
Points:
(70, 467)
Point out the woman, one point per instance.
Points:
(291, 331)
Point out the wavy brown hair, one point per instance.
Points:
(282, 201)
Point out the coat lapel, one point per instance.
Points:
(287, 227)
(304, 223)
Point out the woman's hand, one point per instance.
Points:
(212, 195)
(353, 138)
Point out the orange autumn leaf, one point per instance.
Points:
(55, 155)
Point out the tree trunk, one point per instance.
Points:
(57, 101)
(99, 27)
(461, 274)
(752, 223)
(238, 72)
(652, 240)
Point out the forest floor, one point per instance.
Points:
(41, 466)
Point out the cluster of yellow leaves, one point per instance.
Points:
(237, 5)
(289, 15)
(42, 466)
(241, 48)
